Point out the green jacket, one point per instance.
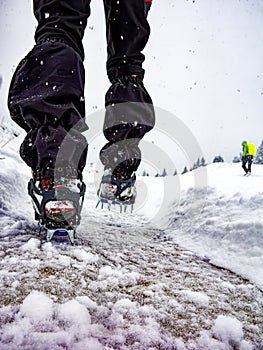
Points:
(245, 149)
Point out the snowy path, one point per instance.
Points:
(124, 286)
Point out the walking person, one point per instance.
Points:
(248, 152)
(46, 98)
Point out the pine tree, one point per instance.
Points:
(197, 164)
(236, 159)
(218, 159)
(185, 170)
(259, 156)
(164, 172)
(203, 162)
(175, 173)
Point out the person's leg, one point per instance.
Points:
(129, 109)
(46, 95)
(250, 161)
(63, 19)
(244, 163)
(127, 34)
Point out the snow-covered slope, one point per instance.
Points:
(223, 221)
(136, 281)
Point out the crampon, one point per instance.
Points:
(58, 210)
(117, 192)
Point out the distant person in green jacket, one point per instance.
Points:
(247, 158)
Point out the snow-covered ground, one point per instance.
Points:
(184, 271)
(223, 221)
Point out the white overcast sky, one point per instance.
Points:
(204, 63)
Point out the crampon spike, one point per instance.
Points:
(122, 206)
(60, 233)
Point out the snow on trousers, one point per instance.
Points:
(46, 96)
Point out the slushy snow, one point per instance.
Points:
(182, 272)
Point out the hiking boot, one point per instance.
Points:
(117, 189)
(60, 209)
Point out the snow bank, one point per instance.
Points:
(14, 175)
(222, 222)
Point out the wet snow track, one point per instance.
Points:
(143, 290)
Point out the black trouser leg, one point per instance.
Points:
(244, 163)
(250, 161)
(47, 89)
(65, 19)
(129, 110)
(127, 34)
(46, 93)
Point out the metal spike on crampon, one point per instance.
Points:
(60, 233)
(114, 203)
